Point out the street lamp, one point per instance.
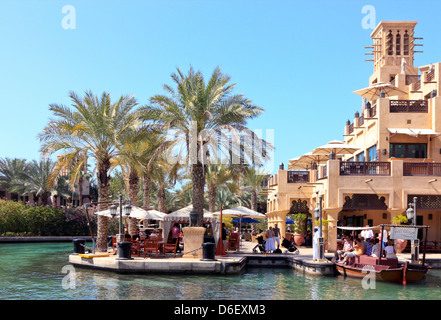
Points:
(411, 214)
(318, 215)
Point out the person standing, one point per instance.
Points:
(276, 235)
(224, 236)
(315, 244)
(269, 244)
(175, 237)
(367, 233)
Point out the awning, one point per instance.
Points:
(358, 228)
(412, 132)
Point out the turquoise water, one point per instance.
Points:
(35, 272)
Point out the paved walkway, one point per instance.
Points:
(306, 252)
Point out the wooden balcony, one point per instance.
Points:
(408, 106)
(358, 168)
(421, 169)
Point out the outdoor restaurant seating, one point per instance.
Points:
(151, 246)
(136, 248)
(170, 247)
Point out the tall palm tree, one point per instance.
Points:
(93, 126)
(198, 112)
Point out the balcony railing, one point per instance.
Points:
(421, 169)
(410, 79)
(430, 76)
(358, 168)
(298, 176)
(412, 106)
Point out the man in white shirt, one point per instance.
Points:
(367, 233)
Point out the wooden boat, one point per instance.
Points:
(384, 269)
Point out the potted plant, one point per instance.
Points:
(299, 227)
(400, 244)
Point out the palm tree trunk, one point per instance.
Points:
(253, 207)
(198, 179)
(254, 200)
(133, 194)
(146, 187)
(103, 195)
(161, 198)
(80, 190)
(212, 198)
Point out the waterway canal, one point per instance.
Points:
(39, 271)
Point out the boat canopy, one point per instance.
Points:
(358, 228)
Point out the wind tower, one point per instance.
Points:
(393, 50)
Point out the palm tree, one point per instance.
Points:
(93, 128)
(39, 179)
(252, 179)
(218, 175)
(198, 113)
(13, 174)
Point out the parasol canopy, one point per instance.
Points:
(308, 159)
(373, 92)
(336, 147)
(242, 212)
(137, 213)
(246, 220)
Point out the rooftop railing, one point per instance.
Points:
(408, 106)
(359, 168)
(421, 169)
(298, 176)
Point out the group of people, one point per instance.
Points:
(365, 243)
(272, 236)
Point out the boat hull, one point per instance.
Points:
(389, 275)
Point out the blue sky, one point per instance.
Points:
(299, 60)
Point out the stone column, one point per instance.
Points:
(332, 217)
(193, 239)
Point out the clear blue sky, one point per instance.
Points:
(299, 60)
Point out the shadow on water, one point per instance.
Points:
(34, 271)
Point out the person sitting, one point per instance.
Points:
(390, 250)
(347, 247)
(369, 246)
(358, 251)
(376, 248)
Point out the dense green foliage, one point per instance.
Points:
(18, 219)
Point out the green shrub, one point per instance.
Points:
(19, 219)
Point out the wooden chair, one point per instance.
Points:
(136, 248)
(150, 246)
(114, 244)
(170, 247)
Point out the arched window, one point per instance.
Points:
(398, 43)
(390, 43)
(406, 43)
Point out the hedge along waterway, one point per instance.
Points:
(34, 271)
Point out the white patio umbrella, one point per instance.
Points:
(137, 213)
(241, 212)
(308, 159)
(337, 147)
(373, 92)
